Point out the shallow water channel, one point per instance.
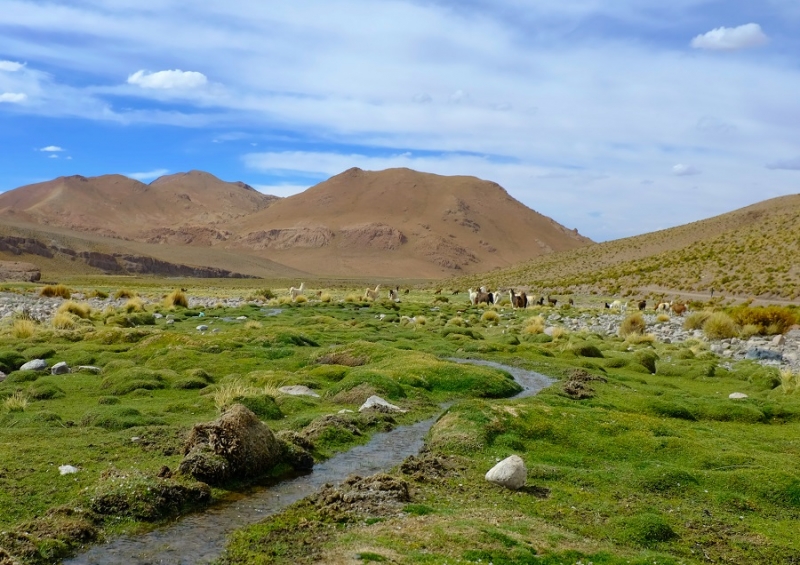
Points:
(200, 538)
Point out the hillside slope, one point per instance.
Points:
(752, 251)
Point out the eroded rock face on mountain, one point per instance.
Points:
(186, 236)
(287, 238)
(372, 236)
(19, 271)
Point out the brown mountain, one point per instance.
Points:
(753, 251)
(183, 206)
(393, 223)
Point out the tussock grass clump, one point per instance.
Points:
(663, 318)
(695, 320)
(490, 317)
(633, 324)
(534, 325)
(749, 330)
(17, 402)
(124, 293)
(253, 325)
(421, 320)
(352, 298)
(80, 309)
(176, 298)
(65, 321)
(720, 326)
(301, 299)
(59, 290)
(559, 332)
(790, 381)
(341, 358)
(134, 304)
(325, 297)
(638, 339)
(98, 294)
(227, 393)
(23, 329)
(457, 321)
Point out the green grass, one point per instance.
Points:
(623, 475)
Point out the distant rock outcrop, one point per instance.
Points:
(19, 271)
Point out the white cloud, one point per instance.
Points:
(176, 79)
(10, 66)
(785, 164)
(52, 156)
(52, 149)
(731, 38)
(681, 170)
(13, 97)
(148, 175)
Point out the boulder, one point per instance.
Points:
(510, 473)
(759, 354)
(380, 404)
(59, 368)
(35, 365)
(778, 340)
(19, 271)
(237, 445)
(298, 390)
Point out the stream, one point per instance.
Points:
(201, 537)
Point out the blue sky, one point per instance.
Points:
(616, 118)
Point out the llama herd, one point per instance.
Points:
(520, 299)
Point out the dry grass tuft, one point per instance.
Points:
(227, 392)
(176, 298)
(80, 309)
(790, 381)
(253, 325)
(457, 321)
(135, 304)
(341, 358)
(64, 321)
(749, 330)
(720, 326)
(352, 298)
(633, 324)
(325, 297)
(534, 325)
(490, 317)
(663, 318)
(17, 402)
(23, 329)
(55, 290)
(421, 320)
(638, 339)
(301, 299)
(558, 333)
(696, 320)
(124, 293)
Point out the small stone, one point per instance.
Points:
(737, 395)
(510, 473)
(60, 368)
(298, 390)
(67, 469)
(778, 340)
(202, 327)
(170, 322)
(158, 315)
(346, 411)
(241, 318)
(378, 401)
(88, 369)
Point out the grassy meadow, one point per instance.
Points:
(635, 455)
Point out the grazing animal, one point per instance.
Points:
(518, 300)
(642, 304)
(370, 294)
(456, 292)
(606, 305)
(663, 306)
(571, 302)
(540, 302)
(473, 296)
(679, 308)
(393, 295)
(618, 305)
(406, 291)
(483, 297)
(295, 292)
(552, 301)
(438, 291)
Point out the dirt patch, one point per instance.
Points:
(378, 495)
(577, 385)
(427, 467)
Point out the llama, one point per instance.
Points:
(663, 306)
(571, 302)
(552, 301)
(642, 304)
(540, 302)
(473, 296)
(370, 294)
(618, 305)
(481, 297)
(518, 300)
(394, 295)
(679, 308)
(295, 292)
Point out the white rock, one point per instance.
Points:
(170, 322)
(158, 315)
(67, 469)
(345, 411)
(35, 365)
(202, 327)
(298, 390)
(778, 340)
(89, 369)
(378, 401)
(60, 368)
(737, 395)
(510, 473)
(241, 318)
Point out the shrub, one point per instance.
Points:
(695, 320)
(646, 529)
(265, 293)
(748, 331)
(10, 360)
(98, 294)
(262, 405)
(720, 326)
(341, 358)
(118, 418)
(55, 290)
(490, 317)
(632, 324)
(23, 329)
(45, 391)
(176, 298)
(769, 319)
(647, 359)
(79, 309)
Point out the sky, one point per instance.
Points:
(615, 118)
